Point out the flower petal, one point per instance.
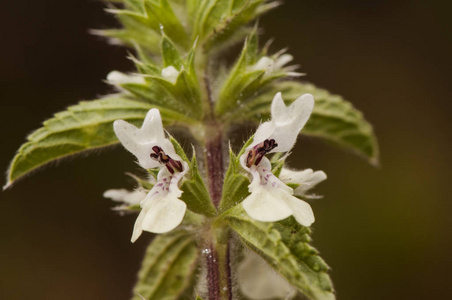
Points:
(162, 211)
(301, 211)
(266, 201)
(170, 73)
(116, 78)
(265, 206)
(152, 127)
(271, 199)
(282, 60)
(163, 215)
(307, 179)
(289, 120)
(263, 132)
(123, 195)
(286, 122)
(137, 228)
(140, 141)
(264, 63)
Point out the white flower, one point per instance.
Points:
(162, 210)
(306, 180)
(282, 60)
(264, 63)
(170, 73)
(271, 199)
(286, 122)
(141, 141)
(117, 78)
(127, 197)
(258, 281)
(273, 65)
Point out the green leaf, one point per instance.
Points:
(338, 121)
(169, 267)
(333, 119)
(82, 127)
(284, 245)
(195, 193)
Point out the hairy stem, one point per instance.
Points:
(217, 252)
(218, 264)
(217, 258)
(213, 276)
(214, 159)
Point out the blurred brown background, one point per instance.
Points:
(386, 232)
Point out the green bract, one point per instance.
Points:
(195, 194)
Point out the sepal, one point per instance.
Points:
(195, 193)
(235, 186)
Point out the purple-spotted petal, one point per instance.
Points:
(162, 210)
(270, 199)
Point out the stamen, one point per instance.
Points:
(160, 156)
(176, 164)
(259, 151)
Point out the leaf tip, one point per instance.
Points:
(7, 185)
(10, 179)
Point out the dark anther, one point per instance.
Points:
(176, 164)
(258, 152)
(171, 164)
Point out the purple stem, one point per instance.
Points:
(217, 256)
